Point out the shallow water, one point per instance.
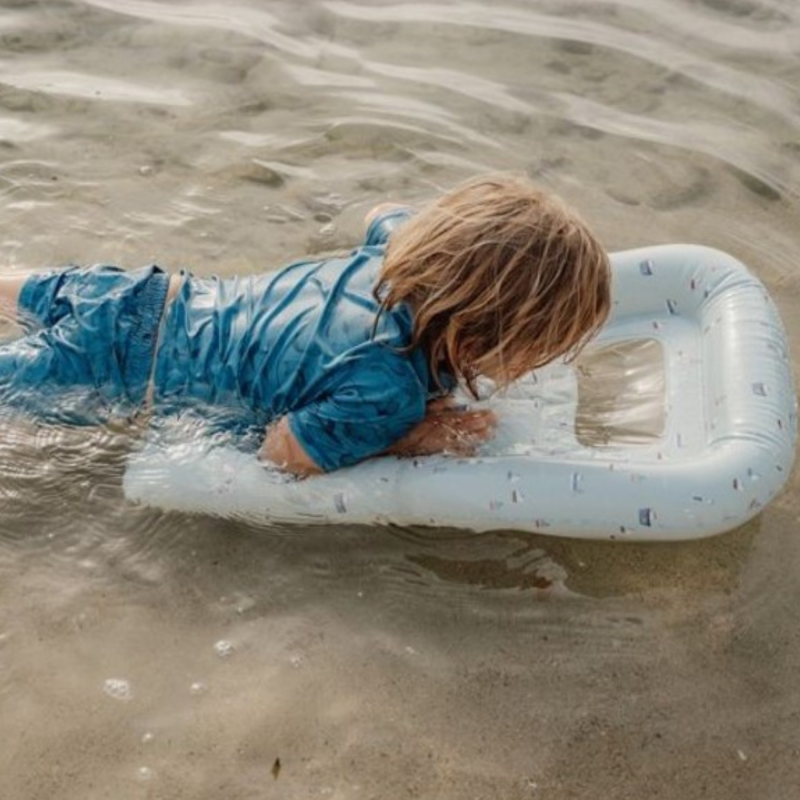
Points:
(163, 656)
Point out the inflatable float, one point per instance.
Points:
(678, 422)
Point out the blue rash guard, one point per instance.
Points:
(301, 343)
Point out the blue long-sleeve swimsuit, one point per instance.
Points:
(306, 342)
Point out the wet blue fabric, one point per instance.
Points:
(91, 334)
(304, 343)
(382, 225)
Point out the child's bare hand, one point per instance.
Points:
(459, 432)
(447, 428)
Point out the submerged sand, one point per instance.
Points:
(166, 656)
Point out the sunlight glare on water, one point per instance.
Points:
(167, 655)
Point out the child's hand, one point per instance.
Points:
(447, 428)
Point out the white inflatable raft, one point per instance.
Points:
(679, 423)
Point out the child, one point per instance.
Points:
(335, 360)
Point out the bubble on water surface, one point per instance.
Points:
(144, 774)
(118, 688)
(198, 687)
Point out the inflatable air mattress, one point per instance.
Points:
(678, 422)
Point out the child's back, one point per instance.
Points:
(307, 342)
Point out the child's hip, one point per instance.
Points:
(92, 333)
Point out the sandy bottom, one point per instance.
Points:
(145, 655)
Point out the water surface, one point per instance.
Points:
(166, 656)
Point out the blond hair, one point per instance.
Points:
(501, 278)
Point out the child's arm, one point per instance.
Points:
(282, 449)
(446, 428)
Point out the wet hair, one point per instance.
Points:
(502, 279)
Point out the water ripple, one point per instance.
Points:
(743, 147)
(239, 18)
(476, 88)
(21, 131)
(770, 95)
(92, 86)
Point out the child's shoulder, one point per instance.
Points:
(384, 219)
